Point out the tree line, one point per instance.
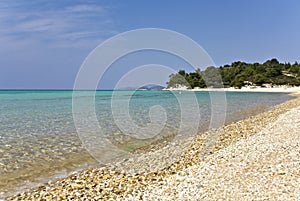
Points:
(239, 74)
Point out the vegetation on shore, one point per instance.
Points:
(238, 74)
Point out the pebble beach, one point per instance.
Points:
(257, 158)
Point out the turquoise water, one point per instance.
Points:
(38, 137)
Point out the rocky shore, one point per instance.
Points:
(257, 158)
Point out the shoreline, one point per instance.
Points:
(35, 176)
(243, 89)
(121, 185)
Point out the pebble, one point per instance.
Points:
(252, 159)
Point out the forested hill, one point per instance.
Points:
(239, 74)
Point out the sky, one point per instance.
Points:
(44, 43)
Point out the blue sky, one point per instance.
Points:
(43, 43)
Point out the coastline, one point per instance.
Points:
(243, 89)
(103, 183)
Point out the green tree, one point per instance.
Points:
(212, 77)
(177, 80)
(235, 74)
(260, 79)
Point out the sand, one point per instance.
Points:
(264, 166)
(257, 158)
(244, 89)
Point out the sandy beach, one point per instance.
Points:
(244, 89)
(149, 100)
(253, 159)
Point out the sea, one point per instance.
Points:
(51, 133)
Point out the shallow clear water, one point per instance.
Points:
(38, 137)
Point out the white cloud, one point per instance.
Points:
(58, 24)
(86, 34)
(85, 8)
(36, 25)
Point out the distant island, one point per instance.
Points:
(148, 87)
(151, 87)
(239, 74)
